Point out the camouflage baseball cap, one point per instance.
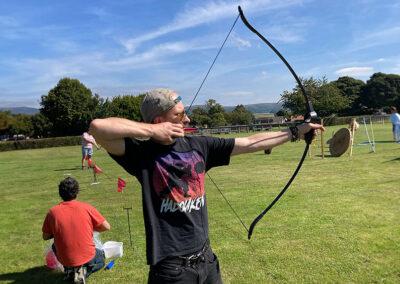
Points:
(157, 102)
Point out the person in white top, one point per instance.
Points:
(87, 147)
(395, 120)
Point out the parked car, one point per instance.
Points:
(17, 137)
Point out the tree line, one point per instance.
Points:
(346, 96)
(69, 107)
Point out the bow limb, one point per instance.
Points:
(309, 116)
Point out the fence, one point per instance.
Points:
(328, 121)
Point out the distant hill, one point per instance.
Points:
(20, 110)
(259, 108)
(254, 108)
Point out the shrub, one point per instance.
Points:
(40, 143)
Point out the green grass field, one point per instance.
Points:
(338, 223)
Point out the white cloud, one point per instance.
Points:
(382, 36)
(355, 71)
(42, 74)
(239, 42)
(284, 34)
(7, 21)
(98, 12)
(208, 13)
(159, 52)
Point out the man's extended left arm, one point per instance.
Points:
(269, 140)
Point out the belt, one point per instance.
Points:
(189, 260)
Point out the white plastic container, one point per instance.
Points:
(97, 240)
(113, 249)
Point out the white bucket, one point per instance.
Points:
(113, 249)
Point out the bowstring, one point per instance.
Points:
(191, 104)
(212, 64)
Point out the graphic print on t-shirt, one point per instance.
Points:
(178, 180)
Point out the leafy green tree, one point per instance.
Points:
(329, 100)
(199, 117)
(211, 115)
(70, 106)
(218, 119)
(284, 112)
(294, 101)
(126, 106)
(22, 124)
(216, 113)
(239, 116)
(213, 107)
(351, 89)
(325, 97)
(6, 120)
(381, 90)
(41, 125)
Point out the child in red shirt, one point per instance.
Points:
(71, 223)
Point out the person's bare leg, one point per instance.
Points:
(83, 162)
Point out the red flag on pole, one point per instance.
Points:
(121, 184)
(97, 169)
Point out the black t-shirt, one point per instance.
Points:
(174, 200)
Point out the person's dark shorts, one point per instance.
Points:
(87, 152)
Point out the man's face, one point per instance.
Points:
(177, 115)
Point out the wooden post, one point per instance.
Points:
(352, 129)
(322, 140)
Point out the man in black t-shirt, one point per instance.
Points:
(171, 168)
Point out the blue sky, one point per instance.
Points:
(128, 47)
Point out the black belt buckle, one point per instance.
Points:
(194, 259)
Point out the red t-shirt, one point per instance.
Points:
(71, 223)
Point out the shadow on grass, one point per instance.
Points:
(376, 142)
(33, 275)
(393, 160)
(326, 156)
(68, 169)
(383, 141)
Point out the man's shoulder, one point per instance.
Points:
(209, 142)
(199, 138)
(82, 204)
(206, 139)
(71, 204)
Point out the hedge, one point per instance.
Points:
(343, 120)
(40, 143)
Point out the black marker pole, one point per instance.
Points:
(129, 223)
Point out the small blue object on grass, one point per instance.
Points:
(109, 265)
